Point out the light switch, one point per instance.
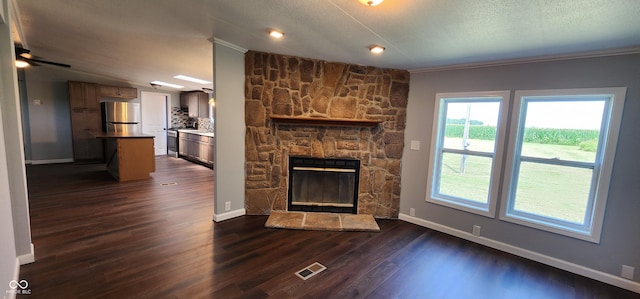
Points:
(415, 145)
(37, 102)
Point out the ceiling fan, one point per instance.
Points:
(24, 59)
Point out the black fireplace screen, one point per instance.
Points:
(323, 185)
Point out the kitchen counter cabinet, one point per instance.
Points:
(196, 147)
(183, 144)
(118, 92)
(129, 156)
(85, 146)
(211, 151)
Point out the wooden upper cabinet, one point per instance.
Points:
(193, 104)
(118, 92)
(184, 100)
(203, 105)
(197, 102)
(83, 96)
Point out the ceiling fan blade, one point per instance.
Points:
(22, 51)
(35, 61)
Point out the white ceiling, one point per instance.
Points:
(142, 41)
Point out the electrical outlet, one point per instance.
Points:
(227, 205)
(476, 230)
(412, 212)
(627, 272)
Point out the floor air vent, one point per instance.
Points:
(310, 271)
(168, 184)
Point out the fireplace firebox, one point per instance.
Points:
(323, 185)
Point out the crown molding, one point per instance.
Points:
(228, 44)
(16, 23)
(591, 54)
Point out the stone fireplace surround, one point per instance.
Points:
(288, 86)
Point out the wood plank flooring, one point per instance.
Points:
(96, 238)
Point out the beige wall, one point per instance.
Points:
(15, 232)
(619, 242)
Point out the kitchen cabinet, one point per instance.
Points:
(118, 92)
(85, 117)
(193, 147)
(83, 96)
(131, 156)
(211, 151)
(196, 147)
(197, 102)
(203, 105)
(203, 149)
(183, 144)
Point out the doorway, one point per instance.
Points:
(154, 118)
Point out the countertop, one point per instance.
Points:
(119, 135)
(195, 131)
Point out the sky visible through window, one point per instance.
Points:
(564, 115)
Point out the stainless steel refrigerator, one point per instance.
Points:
(121, 117)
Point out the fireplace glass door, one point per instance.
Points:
(326, 185)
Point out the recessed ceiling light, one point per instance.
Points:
(276, 34)
(176, 86)
(375, 49)
(191, 79)
(371, 2)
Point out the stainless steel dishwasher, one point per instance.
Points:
(172, 142)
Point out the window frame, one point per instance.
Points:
(602, 166)
(437, 151)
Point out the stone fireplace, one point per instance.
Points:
(299, 107)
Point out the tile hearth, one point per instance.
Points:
(322, 221)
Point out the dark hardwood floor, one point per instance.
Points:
(96, 238)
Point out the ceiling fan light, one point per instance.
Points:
(375, 49)
(370, 2)
(22, 64)
(276, 34)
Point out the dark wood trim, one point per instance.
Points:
(325, 122)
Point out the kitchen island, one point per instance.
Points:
(129, 156)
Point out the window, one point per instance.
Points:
(560, 158)
(467, 150)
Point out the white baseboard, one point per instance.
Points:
(16, 277)
(52, 161)
(28, 258)
(229, 215)
(528, 254)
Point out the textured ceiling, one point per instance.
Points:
(141, 41)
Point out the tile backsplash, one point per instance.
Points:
(205, 124)
(180, 119)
